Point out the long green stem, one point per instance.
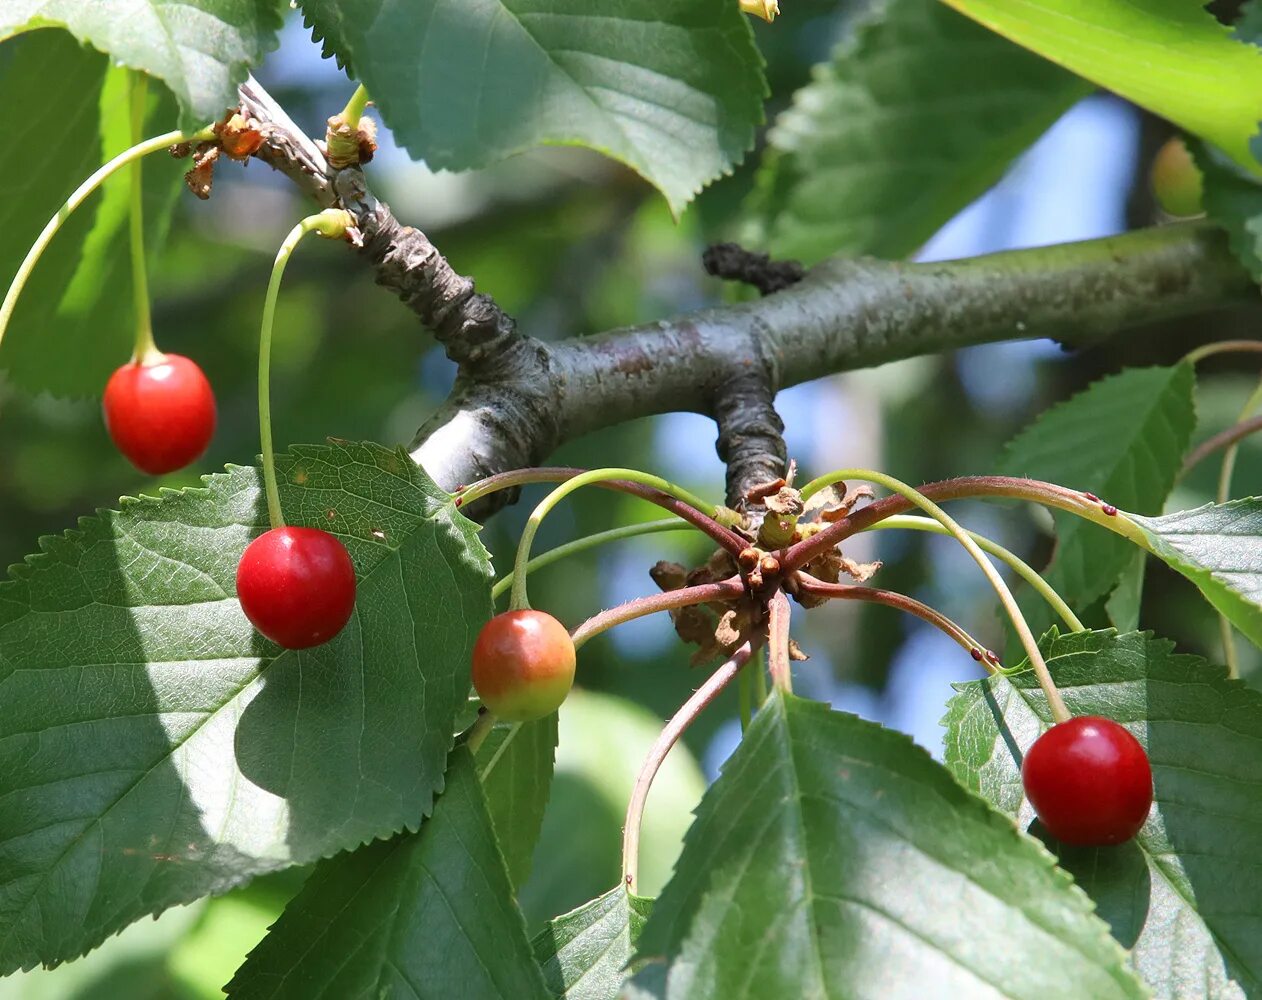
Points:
(480, 730)
(145, 350)
(77, 198)
(745, 695)
(590, 542)
(1060, 713)
(518, 599)
(523, 477)
(1230, 653)
(759, 668)
(1023, 569)
(331, 222)
(1222, 347)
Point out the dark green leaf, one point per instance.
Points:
(74, 322)
(424, 915)
(1124, 603)
(1123, 439)
(1210, 83)
(584, 953)
(1219, 548)
(672, 88)
(201, 49)
(154, 748)
(917, 114)
(1233, 200)
(833, 852)
(515, 765)
(1186, 894)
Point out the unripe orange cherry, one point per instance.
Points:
(523, 665)
(1176, 181)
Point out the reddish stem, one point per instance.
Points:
(723, 537)
(892, 599)
(1048, 494)
(778, 613)
(1223, 439)
(705, 593)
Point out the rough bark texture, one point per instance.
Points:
(516, 399)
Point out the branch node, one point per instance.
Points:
(732, 262)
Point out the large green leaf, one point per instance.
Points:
(1186, 894)
(1233, 200)
(201, 49)
(515, 766)
(74, 322)
(1219, 548)
(424, 915)
(1123, 439)
(584, 953)
(154, 748)
(672, 88)
(832, 852)
(917, 114)
(1208, 82)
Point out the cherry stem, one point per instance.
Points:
(1057, 705)
(480, 730)
(669, 736)
(1019, 565)
(759, 667)
(965, 487)
(745, 694)
(1227, 439)
(778, 614)
(669, 600)
(589, 542)
(77, 198)
(333, 223)
(146, 351)
(1222, 347)
(892, 599)
(354, 109)
(1230, 654)
(517, 597)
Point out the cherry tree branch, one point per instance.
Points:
(517, 399)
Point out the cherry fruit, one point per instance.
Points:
(523, 665)
(297, 586)
(160, 415)
(1089, 780)
(1177, 183)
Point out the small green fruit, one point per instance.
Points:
(1176, 182)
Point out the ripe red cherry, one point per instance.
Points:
(161, 415)
(297, 586)
(1089, 780)
(523, 665)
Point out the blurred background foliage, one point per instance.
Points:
(571, 244)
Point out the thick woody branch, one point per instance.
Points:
(751, 433)
(516, 399)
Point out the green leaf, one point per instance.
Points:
(833, 852)
(672, 88)
(154, 748)
(201, 49)
(515, 766)
(428, 914)
(1209, 84)
(1219, 548)
(1232, 199)
(584, 953)
(1124, 603)
(73, 324)
(1123, 439)
(917, 113)
(1186, 894)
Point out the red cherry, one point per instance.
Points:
(297, 586)
(1089, 780)
(523, 665)
(161, 415)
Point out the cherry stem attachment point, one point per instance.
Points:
(589, 542)
(77, 198)
(480, 730)
(669, 600)
(669, 736)
(892, 599)
(517, 598)
(1060, 713)
(1023, 569)
(333, 223)
(778, 614)
(354, 109)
